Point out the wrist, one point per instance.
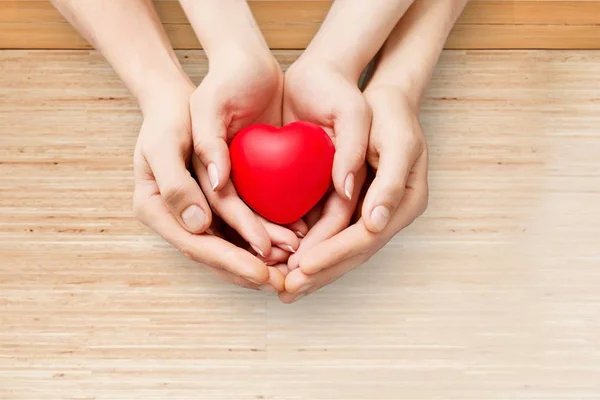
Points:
(350, 67)
(250, 65)
(237, 53)
(309, 61)
(224, 25)
(389, 93)
(159, 95)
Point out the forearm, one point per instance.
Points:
(131, 38)
(354, 31)
(410, 54)
(225, 26)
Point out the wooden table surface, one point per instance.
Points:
(290, 24)
(493, 294)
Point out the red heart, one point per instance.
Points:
(282, 173)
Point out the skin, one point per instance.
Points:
(396, 151)
(321, 87)
(187, 128)
(177, 118)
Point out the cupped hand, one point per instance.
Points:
(317, 91)
(165, 191)
(162, 157)
(397, 152)
(240, 89)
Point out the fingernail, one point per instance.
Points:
(271, 263)
(194, 218)
(291, 249)
(349, 186)
(299, 234)
(213, 176)
(258, 250)
(298, 297)
(380, 217)
(267, 288)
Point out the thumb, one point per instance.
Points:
(351, 130)
(389, 186)
(181, 192)
(210, 145)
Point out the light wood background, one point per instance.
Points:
(493, 294)
(290, 24)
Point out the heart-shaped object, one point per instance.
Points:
(282, 173)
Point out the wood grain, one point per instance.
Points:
(290, 24)
(492, 294)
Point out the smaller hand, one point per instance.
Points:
(240, 89)
(317, 91)
(397, 196)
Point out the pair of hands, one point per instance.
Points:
(188, 129)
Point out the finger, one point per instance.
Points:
(181, 192)
(206, 249)
(351, 128)
(388, 187)
(335, 216)
(276, 280)
(280, 236)
(209, 133)
(314, 215)
(276, 256)
(227, 204)
(283, 268)
(352, 241)
(300, 228)
(275, 284)
(357, 240)
(233, 279)
(298, 284)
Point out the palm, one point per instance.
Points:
(241, 95)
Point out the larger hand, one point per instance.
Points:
(398, 195)
(164, 187)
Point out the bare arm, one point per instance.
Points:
(397, 150)
(225, 25)
(354, 31)
(132, 39)
(410, 54)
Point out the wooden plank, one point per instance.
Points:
(524, 37)
(518, 12)
(491, 294)
(291, 24)
(61, 35)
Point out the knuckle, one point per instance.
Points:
(360, 150)
(186, 250)
(339, 218)
(200, 146)
(223, 261)
(242, 282)
(394, 190)
(173, 193)
(354, 154)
